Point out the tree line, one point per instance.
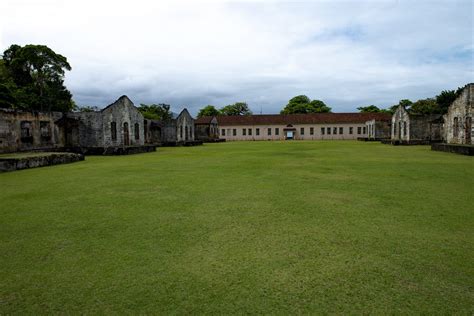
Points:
(437, 105)
(301, 104)
(298, 104)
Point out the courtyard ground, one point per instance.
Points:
(245, 227)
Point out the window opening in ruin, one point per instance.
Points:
(137, 131)
(113, 130)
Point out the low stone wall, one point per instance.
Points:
(34, 161)
(367, 139)
(187, 143)
(212, 140)
(453, 148)
(413, 142)
(112, 151)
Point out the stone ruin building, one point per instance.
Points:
(458, 128)
(207, 129)
(24, 131)
(120, 124)
(117, 129)
(179, 130)
(415, 129)
(379, 128)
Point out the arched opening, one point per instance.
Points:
(137, 131)
(126, 135)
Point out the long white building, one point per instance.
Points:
(317, 126)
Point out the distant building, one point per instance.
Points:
(117, 125)
(379, 128)
(415, 129)
(314, 126)
(458, 128)
(206, 129)
(179, 130)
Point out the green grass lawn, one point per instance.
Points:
(243, 227)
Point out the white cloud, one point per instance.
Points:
(212, 52)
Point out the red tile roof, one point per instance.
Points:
(313, 118)
(203, 120)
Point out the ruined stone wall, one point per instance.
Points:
(425, 127)
(458, 127)
(169, 132)
(129, 129)
(202, 131)
(400, 129)
(185, 127)
(152, 130)
(88, 129)
(206, 131)
(382, 129)
(22, 131)
(408, 127)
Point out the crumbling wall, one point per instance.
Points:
(185, 127)
(88, 129)
(425, 127)
(21, 130)
(128, 123)
(400, 129)
(152, 130)
(458, 127)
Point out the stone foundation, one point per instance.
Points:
(25, 161)
(413, 142)
(112, 151)
(187, 143)
(454, 148)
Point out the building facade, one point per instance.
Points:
(458, 128)
(315, 126)
(119, 124)
(206, 129)
(179, 130)
(23, 131)
(379, 129)
(408, 128)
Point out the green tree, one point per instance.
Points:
(445, 98)
(374, 109)
(405, 103)
(38, 73)
(208, 110)
(303, 104)
(7, 87)
(238, 108)
(156, 111)
(86, 108)
(369, 109)
(425, 106)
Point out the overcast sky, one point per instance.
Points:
(193, 53)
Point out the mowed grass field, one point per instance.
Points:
(244, 227)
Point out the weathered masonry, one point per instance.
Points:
(117, 125)
(206, 129)
(315, 126)
(415, 129)
(23, 131)
(458, 128)
(117, 129)
(179, 130)
(379, 128)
